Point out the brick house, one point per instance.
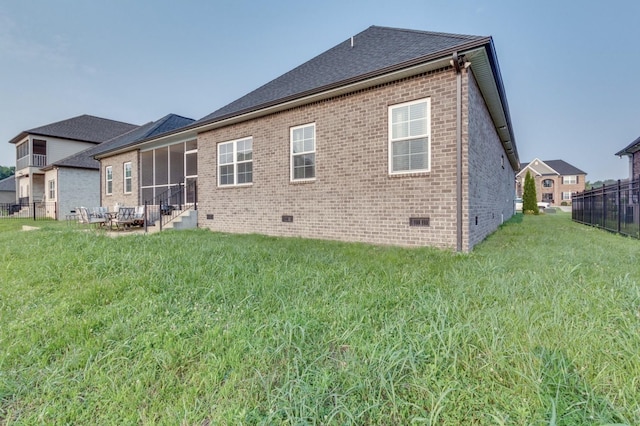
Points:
(393, 136)
(556, 180)
(633, 152)
(121, 159)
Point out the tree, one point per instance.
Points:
(5, 172)
(529, 197)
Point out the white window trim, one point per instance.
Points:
(52, 189)
(569, 194)
(235, 163)
(574, 179)
(391, 140)
(125, 178)
(108, 171)
(291, 154)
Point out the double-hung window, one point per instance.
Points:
(570, 180)
(409, 137)
(52, 189)
(235, 162)
(303, 152)
(108, 180)
(127, 178)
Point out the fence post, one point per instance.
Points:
(145, 217)
(618, 199)
(34, 211)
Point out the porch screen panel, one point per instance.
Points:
(176, 165)
(192, 164)
(147, 195)
(146, 166)
(162, 166)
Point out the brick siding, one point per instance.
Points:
(118, 196)
(635, 172)
(353, 197)
(491, 180)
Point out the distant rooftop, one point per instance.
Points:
(84, 128)
(85, 159)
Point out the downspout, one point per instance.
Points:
(458, 69)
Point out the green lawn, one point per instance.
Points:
(539, 325)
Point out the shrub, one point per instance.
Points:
(529, 198)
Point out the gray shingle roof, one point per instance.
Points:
(168, 123)
(85, 159)
(631, 148)
(85, 128)
(375, 51)
(8, 184)
(564, 168)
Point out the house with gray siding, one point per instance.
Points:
(43, 152)
(393, 136)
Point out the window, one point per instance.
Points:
(108, 174)
(409, 133)
(52, 189)
(303, 152)
(547, 183)
(22, 150)
(127, 178)
(235, 162)
(566, 196)
(570, 180)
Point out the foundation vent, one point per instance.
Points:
(418, 221)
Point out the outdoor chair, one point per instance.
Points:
(99, 212)
(138, 216)
(85, 217)
(125, 217)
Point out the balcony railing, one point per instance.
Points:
(35, 160)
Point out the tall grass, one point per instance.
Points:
(539, 325)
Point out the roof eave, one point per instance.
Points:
(486, 71)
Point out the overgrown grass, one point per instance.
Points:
(539, 325)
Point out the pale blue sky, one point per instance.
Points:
(569, 68)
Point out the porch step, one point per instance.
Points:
(186, 220)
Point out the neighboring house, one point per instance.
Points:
(556, 180)
(633, 152)
(8, 190)
(164, 165)
(393, 136)
(42, 152)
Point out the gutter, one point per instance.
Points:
(457, 63)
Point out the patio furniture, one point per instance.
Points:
(85, 217)
(138, 216)
(124, 218)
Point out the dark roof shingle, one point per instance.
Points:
(85, 128)
(8, 184)
(564, 168)
(85, 159)
(375, 50)
(630, 149)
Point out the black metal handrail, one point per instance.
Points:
(171, 203)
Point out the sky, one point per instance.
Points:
(569, 68)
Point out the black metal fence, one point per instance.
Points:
(613, 207)
(24, 210)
